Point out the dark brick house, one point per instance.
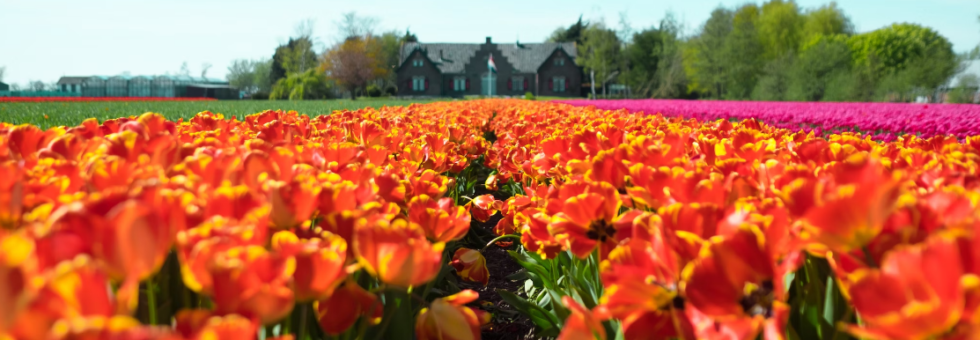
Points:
(455, 70)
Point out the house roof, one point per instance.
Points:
(526, 58)
(71, 80)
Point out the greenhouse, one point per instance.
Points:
(94, 86)
(165, 86)
(117, 86)
(139, 86)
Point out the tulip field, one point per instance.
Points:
(881, 121)
(496, 219)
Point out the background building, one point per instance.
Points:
(455, 70)
(146, 86)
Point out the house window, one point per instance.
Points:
(559, 61)
(417, 62)
(558, 84)
(418, 84)
(459, 84)
(517, 83)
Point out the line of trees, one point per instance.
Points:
(774, 51)
(361, 63)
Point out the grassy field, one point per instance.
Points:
(73, 113)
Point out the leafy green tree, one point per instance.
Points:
(704, 55)
(904, 45)
(296, 56)
(742, 62)
(780, 28)
(261, 73)
(575, 32)
(599, 52)
(644, 55)
(311, 84)
(826, 20)
(389, 46)
(816, 65)
(409, 37)
(671, 79)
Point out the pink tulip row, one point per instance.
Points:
(882, 121)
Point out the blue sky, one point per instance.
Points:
(45, 39)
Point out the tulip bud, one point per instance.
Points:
(471, 266)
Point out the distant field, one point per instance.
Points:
(73, 113)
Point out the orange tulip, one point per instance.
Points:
(253, 282)
(449, 319)
(226, 327)
(483, 207)
(471, 266)
(582, 324)
(441, 220)
(319, 262)
(397, 252)
(737, 287)
(916, 294)
(339, 312)
(108, 328)
(591, 220)
(292, 203)
(856, 211)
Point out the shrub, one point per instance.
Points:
(373, 91)
(528, 95)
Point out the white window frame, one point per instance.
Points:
(517, 83)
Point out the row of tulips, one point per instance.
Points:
(358, 225)
(881, 121)
(278, 225)
(646, 227)
(97, 99)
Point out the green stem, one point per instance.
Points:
(286, 325)
(301, 331)
(498, 239)
(151, 300)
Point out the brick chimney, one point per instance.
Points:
(488, 41)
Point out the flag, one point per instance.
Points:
(491, 66)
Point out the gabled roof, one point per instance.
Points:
(526, 58)
(71, 80)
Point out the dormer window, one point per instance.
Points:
(417, 62)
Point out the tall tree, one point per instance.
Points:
(353, 62)
(671, 79)
(599, 52)
(296, 56)
(704, 54)
(827, 58)
(574, 33)
(826, 20)
(742, 51)
(241, 75)
(409, 37)
(352, 25)
(389, 45)
(780, 28)
(644, 55)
